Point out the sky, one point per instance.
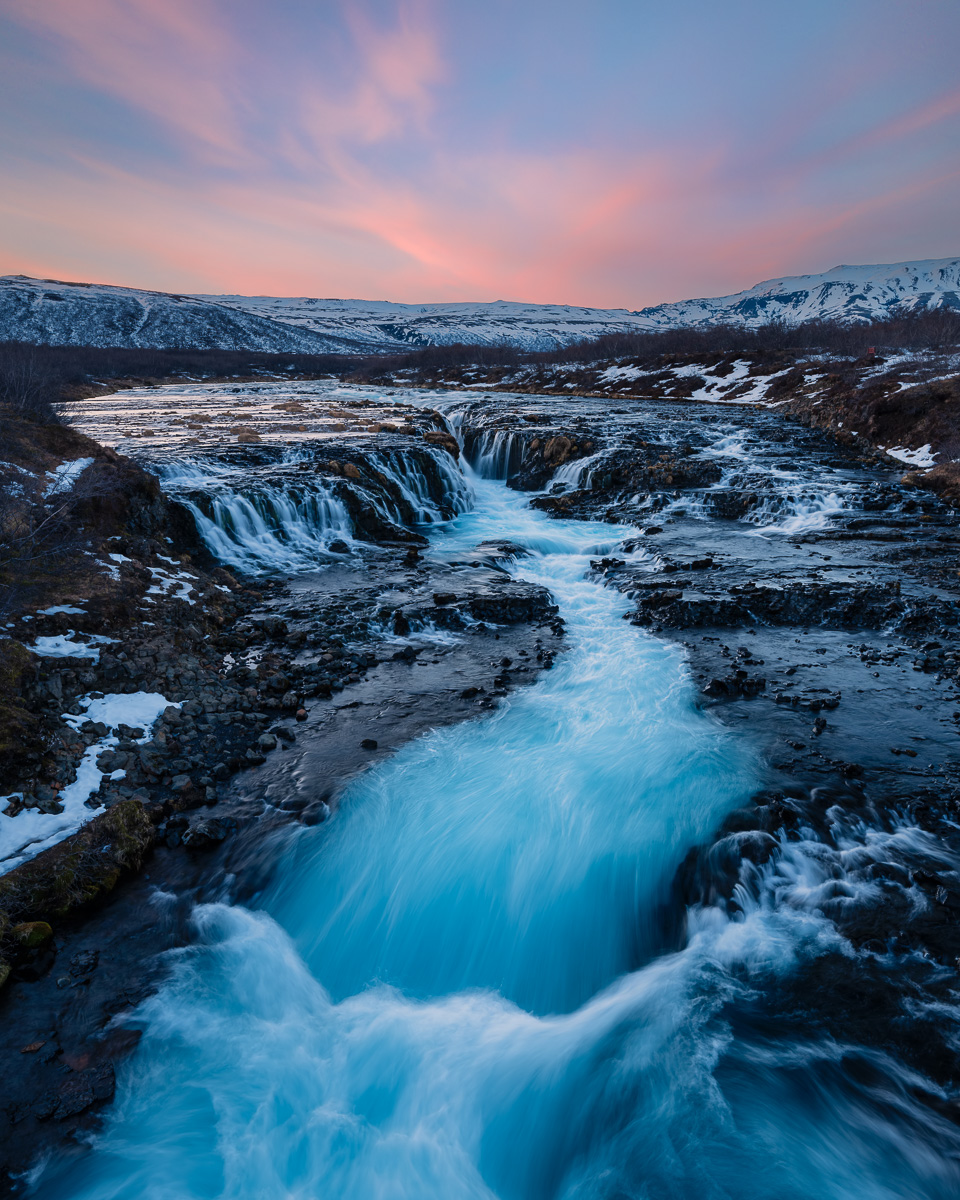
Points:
(615, 154)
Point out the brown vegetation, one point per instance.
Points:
(41, 379)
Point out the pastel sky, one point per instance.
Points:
(611, 153)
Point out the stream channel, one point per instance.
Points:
(460, 986)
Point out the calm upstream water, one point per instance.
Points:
(457, 988)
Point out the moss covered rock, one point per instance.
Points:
(31, 934)
(79, 869)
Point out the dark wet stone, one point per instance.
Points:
(202, 835)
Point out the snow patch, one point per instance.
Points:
(63, 478)
(924, 457)
(61, 645)
(175, 587)
(24, 836)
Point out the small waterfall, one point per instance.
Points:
(454, 418)
(495, 453)
(256, 525)
(795, 513)
(445, 496)
(578, 472)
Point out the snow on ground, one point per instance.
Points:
(924, 457)
(60, 608)
(615, 374)
(164, 582)
(755, 395)
(61, 645)
(15, 487)
(24, 836)
(716, 388)
(111, 570)
(63, 478)
(904, 384)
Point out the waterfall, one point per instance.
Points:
(495, 453)
(284, 517)
(457, 988)
(793, 513)
(578, 472)
(255, 523)
(429, 500)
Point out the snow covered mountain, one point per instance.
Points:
(53, 312)
(841, 294)
(389, 324)
(50, 312)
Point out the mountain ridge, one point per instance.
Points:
(57, 312)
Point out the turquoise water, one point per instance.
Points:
(455, 989)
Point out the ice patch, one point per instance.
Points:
(924, 457)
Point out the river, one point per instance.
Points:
(468, 983)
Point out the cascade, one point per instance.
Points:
(282, 518)
(429, 500)
(792, 513)
(577, 473)
(254, 524)
(495, 453)
(459, 987)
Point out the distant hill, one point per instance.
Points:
(57, 313)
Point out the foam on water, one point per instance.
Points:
(456, 988)
(790, 513)
(499, 842)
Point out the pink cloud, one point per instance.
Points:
(169, 59)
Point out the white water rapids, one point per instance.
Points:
(454, 990)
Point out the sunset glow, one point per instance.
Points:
(618, 154)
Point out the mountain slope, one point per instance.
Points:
(51, 312)
(841, 294)
(390, 324)
(47, 311)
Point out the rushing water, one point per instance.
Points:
(277, 518)
(458, 987)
